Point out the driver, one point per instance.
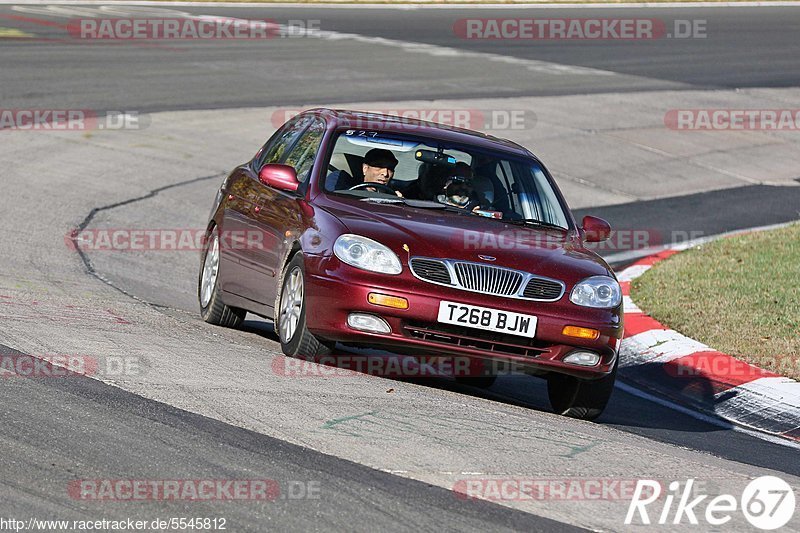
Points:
(378, 167)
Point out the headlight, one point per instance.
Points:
(597, 291)
(365, 253)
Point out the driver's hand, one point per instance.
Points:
(398, 193)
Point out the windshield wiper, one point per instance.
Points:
(431, 204)
(420, 204)
(534, 222)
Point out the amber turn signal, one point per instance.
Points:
(387, 301)
(581, 333)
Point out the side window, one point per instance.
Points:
(547, 199)
(276, 149)
(303, 153)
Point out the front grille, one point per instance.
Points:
(542, 289)
(488, 279)
(488, 341)
(431, 270)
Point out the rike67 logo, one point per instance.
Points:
(768, 503)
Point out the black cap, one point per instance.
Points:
(380, 158)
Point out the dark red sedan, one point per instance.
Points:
(418, 238)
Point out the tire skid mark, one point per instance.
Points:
(87, 262)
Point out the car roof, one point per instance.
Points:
(343, 118)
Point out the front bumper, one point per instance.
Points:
(334, 290)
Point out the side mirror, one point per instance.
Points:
(595, 229)
(281, 177)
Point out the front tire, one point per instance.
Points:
(579, 398)
(290, 316)
(212, 308)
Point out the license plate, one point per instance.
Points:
(473, 316)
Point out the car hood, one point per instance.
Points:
(415, 232)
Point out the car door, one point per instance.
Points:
(279, 218)
(240, 231)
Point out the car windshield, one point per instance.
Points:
(429, 174)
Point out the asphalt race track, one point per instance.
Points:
(352, 452)
(300, 71)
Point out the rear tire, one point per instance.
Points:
(212, 308)
(579, 398)
(290, 314)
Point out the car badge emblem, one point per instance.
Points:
(487, 257)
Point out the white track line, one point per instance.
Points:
(432, 50)
(446, 51)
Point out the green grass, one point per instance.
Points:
(739, 295)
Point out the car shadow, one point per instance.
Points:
(639, 410)
(530, 392)
(683, 385)
(264, 328)
(643, 404)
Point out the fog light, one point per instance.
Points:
(582, 358)
(371, 323)
(581, 333)
(387, 301)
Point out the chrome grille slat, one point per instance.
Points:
(507, 282)
(488, 279)
(510, 282)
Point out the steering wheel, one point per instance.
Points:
(379, 186)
